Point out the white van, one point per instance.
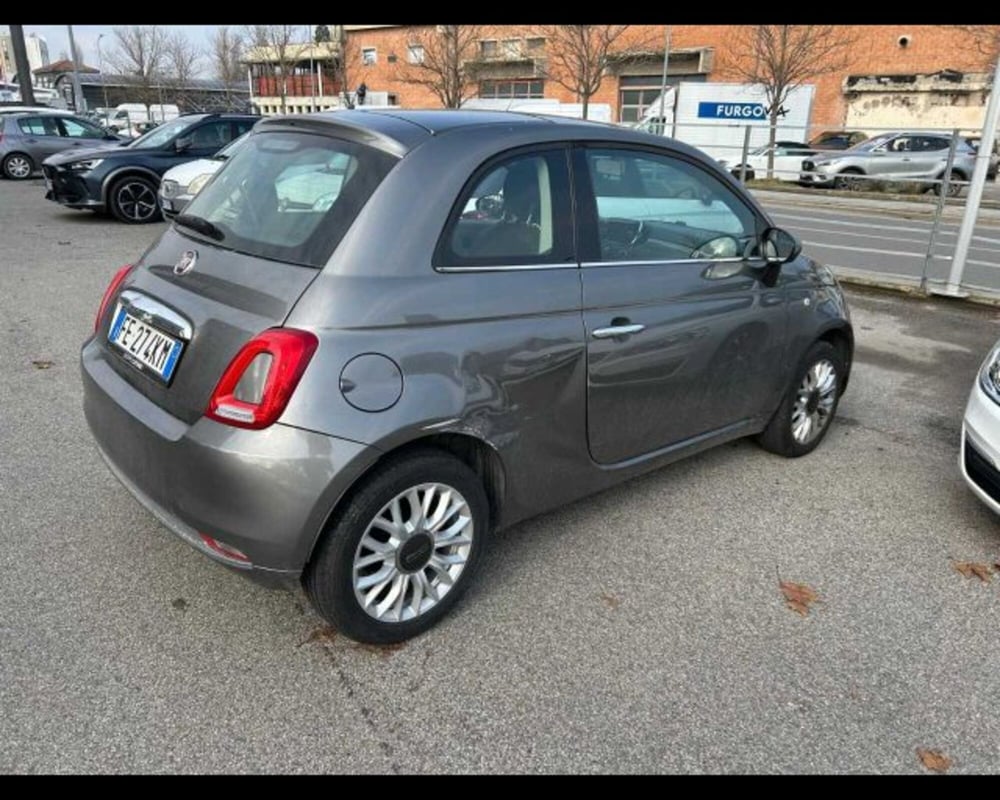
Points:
(128, 115)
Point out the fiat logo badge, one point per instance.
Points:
(186, 263)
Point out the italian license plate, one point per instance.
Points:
(144, 346)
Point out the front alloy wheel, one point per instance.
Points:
(803, 418)
(133, 200)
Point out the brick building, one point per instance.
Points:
(911, 70)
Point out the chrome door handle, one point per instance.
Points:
(617, 330)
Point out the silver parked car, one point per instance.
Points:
(27, 139)
(894, 157)
(375, 337)
(181, 183)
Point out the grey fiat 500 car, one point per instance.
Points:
(375, 337)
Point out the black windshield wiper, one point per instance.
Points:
(201, 225)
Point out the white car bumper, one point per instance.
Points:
(980, 453)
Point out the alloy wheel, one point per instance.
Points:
(814, 402)
(413, 552)
(18, 167)
(136, 200)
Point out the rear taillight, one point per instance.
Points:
(113, 287)
(259, 381)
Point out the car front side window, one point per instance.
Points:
(653, 207)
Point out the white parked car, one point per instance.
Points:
(980, 453)
(787, 161)
(180, 184)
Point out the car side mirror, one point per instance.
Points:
(778, 246)
(182, 144)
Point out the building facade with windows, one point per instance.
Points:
(515, 62)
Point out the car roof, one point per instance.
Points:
(401, 130)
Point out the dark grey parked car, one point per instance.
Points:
(28, 139)
(374, 337)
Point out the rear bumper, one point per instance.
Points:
(267, 493)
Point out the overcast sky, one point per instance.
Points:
(57, 38)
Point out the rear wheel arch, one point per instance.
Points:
(475, 453)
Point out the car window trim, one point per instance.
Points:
(583, 188)
(570, 260)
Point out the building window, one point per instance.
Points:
(415, 54)
(515, 89)
(488, 48)
(391, 58)
(638, 92)
(392, 99)
(511, 48)
(369, 56)
(535, 44)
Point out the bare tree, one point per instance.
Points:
(780, 58)
(226, 53)
(280, 47)
(346, 65)
(444, 61)
(182, 60)
(140, 52)
(321, 34)
(579, 56)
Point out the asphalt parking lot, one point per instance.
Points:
(641, 630)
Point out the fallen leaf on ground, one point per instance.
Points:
(610, 600)
(323, 634)
(798, 596)
(933, 759)
(42, 364)
(180, 604)
(972, 569)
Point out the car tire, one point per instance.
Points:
(379, 593)
(18, 166)
(129, 199)
(849, 180)
(954, 189)
(809, 404)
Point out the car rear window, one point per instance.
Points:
(290, 196)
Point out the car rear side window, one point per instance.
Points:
(515, 211)
(290, 196)
(39, 126)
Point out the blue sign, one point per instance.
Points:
(750, 111)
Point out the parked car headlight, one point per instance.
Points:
(199, 183)
(989, 375)
(85, 166)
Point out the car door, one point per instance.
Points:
(929, 156)
(42, 136)
(683, 335)
(893, 158)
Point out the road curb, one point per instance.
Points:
(911, 288)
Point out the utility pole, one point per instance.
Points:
(26, 88)
(953, 287)
(79, 104)
(663, 83)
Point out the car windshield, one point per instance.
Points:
(870, 144)
(288, 196)
(159, 136)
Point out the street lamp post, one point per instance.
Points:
(104, 85)
(79, 102)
